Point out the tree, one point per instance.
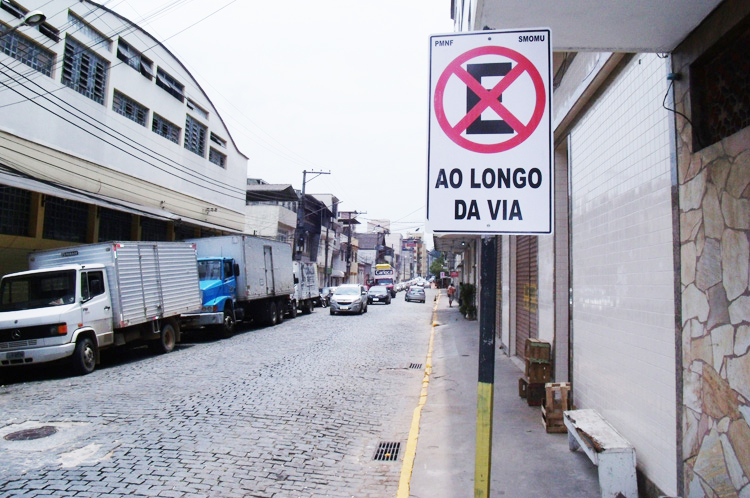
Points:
(437, 266)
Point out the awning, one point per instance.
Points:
(602, 26)
(73, 194)
(453, 243)
(337, 273)
(271, 192)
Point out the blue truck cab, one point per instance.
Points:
(218, 283)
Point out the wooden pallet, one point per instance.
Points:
(556, 401)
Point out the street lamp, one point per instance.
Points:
(32, 19)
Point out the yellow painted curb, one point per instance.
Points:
(411, 444)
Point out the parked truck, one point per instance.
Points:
(242, 278)
(306, 290)
(75, 302)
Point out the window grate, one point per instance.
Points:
(195, 136)
(162, 127)
(217, 157)
(170, 85)
(387, 452)
(15, 209)
(65, 220)
(152, 229)
(114, 225)
(28, 52)
(81, 27)
(135, 59)
(129, 108)
(84, 71)
(720, 89)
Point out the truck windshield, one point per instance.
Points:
(38, 290)
(209, 269)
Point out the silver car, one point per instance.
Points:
(348, 298)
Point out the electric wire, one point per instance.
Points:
(133, 144)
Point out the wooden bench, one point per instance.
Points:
(607, 449)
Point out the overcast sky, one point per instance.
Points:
(331, 85)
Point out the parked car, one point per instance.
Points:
(415, 293)
(348, 298)
(325, 295)
(378, 294)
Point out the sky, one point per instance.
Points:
(326, 85)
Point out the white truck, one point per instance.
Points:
(242, 277)
(76, 301)
(306, 290)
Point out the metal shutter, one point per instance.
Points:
(527, 323)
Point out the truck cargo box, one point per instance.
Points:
(265, 265)
(148, 280)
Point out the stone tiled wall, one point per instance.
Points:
(714, 205)
(715, 251)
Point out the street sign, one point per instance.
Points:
(490, 157)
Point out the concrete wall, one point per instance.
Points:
(622, 264)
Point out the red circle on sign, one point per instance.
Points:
(489, 98)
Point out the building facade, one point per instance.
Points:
(643, 287)
(105, 135)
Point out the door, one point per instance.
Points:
(270, 282)
(96, 305)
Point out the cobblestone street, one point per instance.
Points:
(292, 410)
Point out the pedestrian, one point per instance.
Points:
(451, 294)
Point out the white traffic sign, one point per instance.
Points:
(490, 161)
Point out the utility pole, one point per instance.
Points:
(299, 231)
(348, 222)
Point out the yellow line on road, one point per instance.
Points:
(411, 445)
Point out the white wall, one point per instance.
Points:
(623, 278)
(505, 291)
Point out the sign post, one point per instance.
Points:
(490, 167)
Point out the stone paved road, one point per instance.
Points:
(292, 410)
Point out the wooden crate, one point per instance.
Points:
(538, 370)
(533, 391)
(556, 401)
(537, 349)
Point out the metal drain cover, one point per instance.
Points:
(31, 434)
(387, 452)
(415, 366)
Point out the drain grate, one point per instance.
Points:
(387, 452)
(415, 366)
(30, 434)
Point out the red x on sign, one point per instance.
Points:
(490, 99)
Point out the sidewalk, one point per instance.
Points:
(526, 461)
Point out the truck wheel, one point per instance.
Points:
(271, 316)
(280, 312)
(227, 326)
(84, 356)
(293, 309)
(310, 306)
(331, 311)
(167, 339)
(306, 307)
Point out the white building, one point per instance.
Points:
(643, 287)
(104, 134)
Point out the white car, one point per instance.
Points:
(348, 298)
